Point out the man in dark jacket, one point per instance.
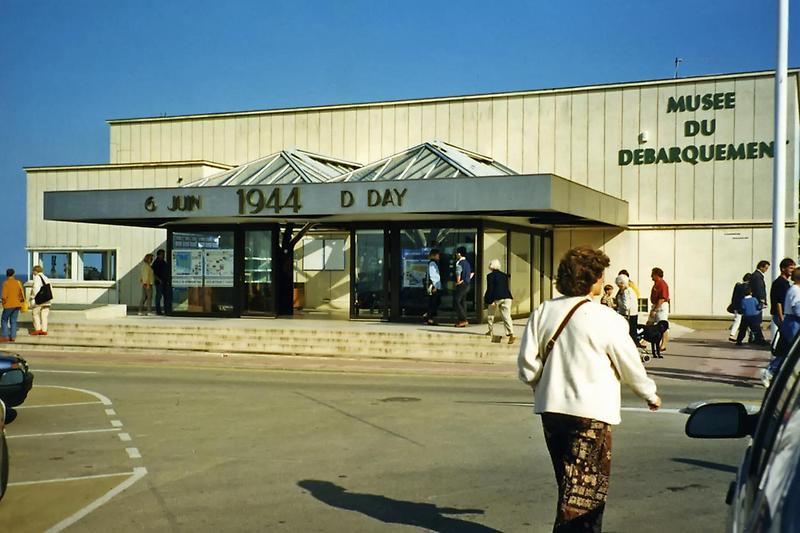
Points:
(777, 293)
(498, 296)
(757, 284)
(161, 275)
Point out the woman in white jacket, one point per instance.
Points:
(40, 311)
(575, 356)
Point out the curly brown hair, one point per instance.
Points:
(579, 269)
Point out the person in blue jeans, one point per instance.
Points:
(12, 299)
(751, 318)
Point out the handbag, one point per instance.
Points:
(552, 342)
(24, 307)
(44, 295)
(730, 308)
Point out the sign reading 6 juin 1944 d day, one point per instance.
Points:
(694, 130)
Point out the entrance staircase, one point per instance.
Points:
(318, 338)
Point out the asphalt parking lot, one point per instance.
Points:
(247, 449)
(70, 454)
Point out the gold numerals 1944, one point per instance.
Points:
(254, 201)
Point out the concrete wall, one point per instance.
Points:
(130, 244)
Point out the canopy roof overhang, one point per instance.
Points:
(538, 199)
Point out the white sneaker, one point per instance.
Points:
(766, 378)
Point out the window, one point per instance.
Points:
(643, 302)
(56, 265)
(99, 266)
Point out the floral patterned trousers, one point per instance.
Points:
(580, 449)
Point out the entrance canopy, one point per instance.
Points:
(432, 180)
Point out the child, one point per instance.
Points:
(751, 318)
(607, 299)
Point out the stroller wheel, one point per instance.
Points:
(646, 358)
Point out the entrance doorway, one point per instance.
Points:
(259, 291)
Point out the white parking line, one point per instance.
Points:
(103, 399)
(116, 423)
(124, 437)
(133, 453)
(59, 480)
(60, 433)
(111, 412)
(38, 370)
(55, 405)
(138, 473)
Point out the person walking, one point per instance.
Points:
(13, 298)
(161, 279)
(631, 284)
(41, 296)
(659, 300)
(498, 298)
(464, 277)
(757, 284)
(575, 353)
(751, 318)
(790, 326)
(734, 306)
(433, 288)
(777, 293)
(627, 304)
(146, 280)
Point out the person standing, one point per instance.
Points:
(146, 280)
(575, 354)
(498, 298)
(627, 304)
(735, 305)
(608, 298)
(464, 276)
(789, 329)
(433, 287)
(161, 279)
(777, 293)
(631, 284)
(659, 300)
(758, 286)
(13, 297)
(40, 310)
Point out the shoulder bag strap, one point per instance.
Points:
(552, 341)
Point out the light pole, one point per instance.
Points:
(779, 162)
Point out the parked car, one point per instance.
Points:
(766, 493)
(16, 379)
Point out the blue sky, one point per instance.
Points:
(67, 66)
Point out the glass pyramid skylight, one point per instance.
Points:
(430, 160)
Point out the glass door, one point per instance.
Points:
(369, 288)
(259, 295)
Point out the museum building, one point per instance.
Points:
(334, 209)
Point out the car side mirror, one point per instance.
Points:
(728, 420)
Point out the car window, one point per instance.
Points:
(774, 407)
(778, 485)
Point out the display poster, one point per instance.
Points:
(313, 254)
(187, 268)
(415, 267)
(334, 254)
(218, 267)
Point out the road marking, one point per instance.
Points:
(116, 423)
(38, 370)
(111, 412)
(103, 399)
(133, 453)
(59, 480)
(138, 473)
(124, 437)
(56, 405)
(60, 433)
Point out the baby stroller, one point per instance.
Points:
(651, 333)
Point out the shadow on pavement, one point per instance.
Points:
(706, 464)
(680, 373)
(389, 511)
